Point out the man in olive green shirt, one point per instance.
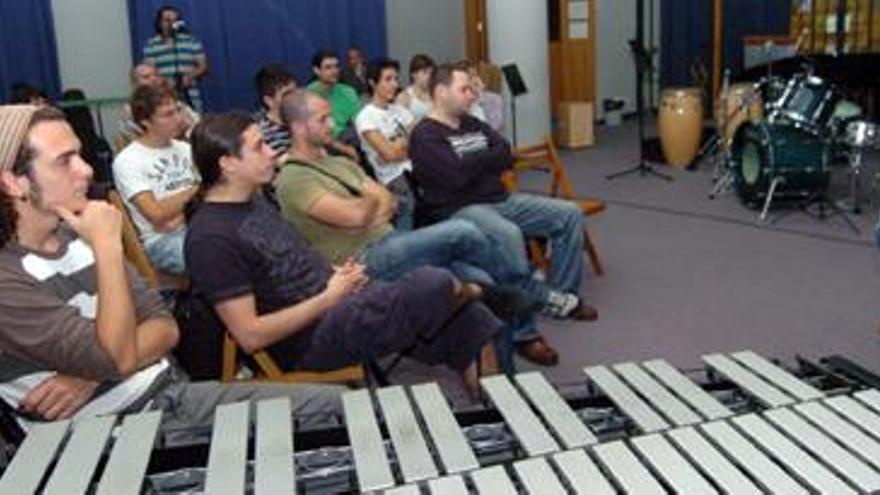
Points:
(344, 101)
(344, 214)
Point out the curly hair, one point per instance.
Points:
(8, 218)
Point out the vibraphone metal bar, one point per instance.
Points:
(404, 440)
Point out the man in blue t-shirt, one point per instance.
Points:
(177, 55)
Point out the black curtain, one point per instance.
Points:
(686, 34)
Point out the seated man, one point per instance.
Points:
(155, 177)
(273, 83)
(80, 333)
(147, 75)
(458, 161)
(383, 127)
(344, 101)
(344, 214)
(355, 72)
(275, 293)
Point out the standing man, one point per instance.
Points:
(178, 56)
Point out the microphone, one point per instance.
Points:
(178, 26)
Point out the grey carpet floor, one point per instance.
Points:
(685, 275)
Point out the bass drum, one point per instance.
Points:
(763, 151)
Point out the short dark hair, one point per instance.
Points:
(322, 55)
(216, 136)
(145, 100)
(270, 78)
(25, 93)
(443, 74)
(420, 61)
(157, 21)
(375, 69)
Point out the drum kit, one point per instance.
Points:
(777, 139)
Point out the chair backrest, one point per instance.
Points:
(543, 157)
(131, 242)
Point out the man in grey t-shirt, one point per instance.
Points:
(80, 333)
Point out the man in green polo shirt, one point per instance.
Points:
(344, 101)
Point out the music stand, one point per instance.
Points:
(517, 87)
(643, 62)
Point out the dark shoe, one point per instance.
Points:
(507, 302)
(584, 312)
(538, 351)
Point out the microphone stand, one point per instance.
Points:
(642, 60)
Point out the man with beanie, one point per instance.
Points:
(80, 333)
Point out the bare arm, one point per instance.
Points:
(165, 214)
(348, 213)
(100, 225)
(387, 202)
(389, 151)
(254, 332)
(200, 68)
(61, 396)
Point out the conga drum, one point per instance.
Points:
(680, 124)
(744, 104)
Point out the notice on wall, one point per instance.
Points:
(578, 19)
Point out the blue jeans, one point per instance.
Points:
(166, 252)
(509, 222)
(406, 203)
(455, 244)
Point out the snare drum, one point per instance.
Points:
(744, 104)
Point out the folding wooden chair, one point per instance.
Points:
(544, 157)
(134, 251)
(268, 370)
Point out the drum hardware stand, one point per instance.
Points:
(819, 207)
(643, 61)
(777, 181)
(828, 209)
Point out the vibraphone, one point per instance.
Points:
(752, 427)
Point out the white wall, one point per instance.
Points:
(518, 34)
(434, 27)
(616, 74)
(93, 46)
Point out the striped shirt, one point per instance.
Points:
(161, 53)
(276, 135)
(48, 305)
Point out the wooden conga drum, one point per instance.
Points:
(680, 124)
(744, 104)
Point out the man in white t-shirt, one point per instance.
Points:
(155, 177)
(383, 127)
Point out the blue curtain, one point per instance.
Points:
(686, 33)
(27, 46)
(240, 36)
